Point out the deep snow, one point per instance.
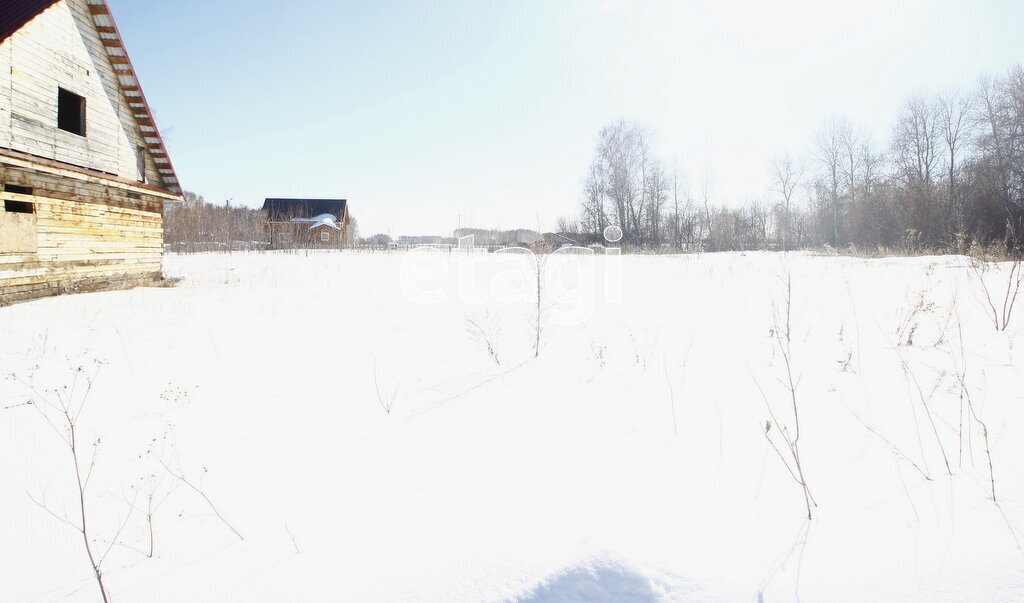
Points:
(626, 462)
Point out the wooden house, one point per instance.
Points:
(307, 223)
(84, 173)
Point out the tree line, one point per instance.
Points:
(196, 225)
(950, 176)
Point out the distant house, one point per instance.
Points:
(84, 174)
(556, 240)
(307, 223)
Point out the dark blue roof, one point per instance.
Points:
(16, 13)
(304, 208)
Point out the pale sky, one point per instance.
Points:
(430, 113)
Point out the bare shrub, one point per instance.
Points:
(154, 495)
(844, 364)
(909, 323)
(600, 353)
(485, 330)
(1001, 302)
(385, 398)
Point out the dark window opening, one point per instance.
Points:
(140, 158)
(70, 112)
(17, 190)
(19, 207)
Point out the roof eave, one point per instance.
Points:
(131, 88)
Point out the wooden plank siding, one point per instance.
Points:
(90, 237)
(5, 96)
(61, 48)
(82, 215)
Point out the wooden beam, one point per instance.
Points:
(24, 160)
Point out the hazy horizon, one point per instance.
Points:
(431, 115)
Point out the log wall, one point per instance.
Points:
(90, 236)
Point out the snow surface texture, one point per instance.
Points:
(627, 462)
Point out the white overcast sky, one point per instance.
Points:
(430, 113)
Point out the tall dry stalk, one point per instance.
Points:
(925, 404)
(965, 396)
(198, 489)
(791, 458)
(66, 427)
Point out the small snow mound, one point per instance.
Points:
(595, 584)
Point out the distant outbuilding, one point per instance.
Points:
(307, 223)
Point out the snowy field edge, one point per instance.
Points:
(294, 427)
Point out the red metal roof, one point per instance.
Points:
(16, 13)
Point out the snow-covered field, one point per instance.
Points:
(628, 462)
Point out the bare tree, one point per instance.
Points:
(656, 188)
(916, 140)
(677, 211)
(595, 214)
(951, 175)
(829, 153)
(955, 117)
(1001, 112)
(787, 174)
(853, 159)
(616, 180)
(196, 225)
(916, 147)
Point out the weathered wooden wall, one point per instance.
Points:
(95, 225)
(61, 48)
(90, 236)
(6, 48)
(297, 235)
